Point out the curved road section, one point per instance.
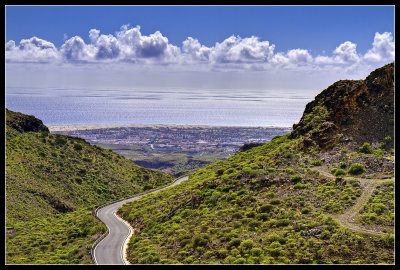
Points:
(110, 250)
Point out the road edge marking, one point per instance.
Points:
(124, 247)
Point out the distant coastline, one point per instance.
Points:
(73, 127)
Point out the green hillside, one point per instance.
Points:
(322, 194)
(51, 179)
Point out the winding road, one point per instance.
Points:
(111, 250)
(348, 218)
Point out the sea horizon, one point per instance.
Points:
(208, 107)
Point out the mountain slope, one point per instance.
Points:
(282, 202)
(48, 175)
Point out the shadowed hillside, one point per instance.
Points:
(48, 175)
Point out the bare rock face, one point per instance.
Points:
(24, 123)
(350, 111)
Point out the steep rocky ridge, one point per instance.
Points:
(351, 111)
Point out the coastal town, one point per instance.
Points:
(168, 146)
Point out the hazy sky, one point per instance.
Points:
(237, 47)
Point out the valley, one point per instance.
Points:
(173, 149)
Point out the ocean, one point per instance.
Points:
(217, 107)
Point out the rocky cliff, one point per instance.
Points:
(351, 112)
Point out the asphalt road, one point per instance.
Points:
(110, 249)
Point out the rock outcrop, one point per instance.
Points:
(351, 112)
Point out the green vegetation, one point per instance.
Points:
(340, 172)
(356, 168)
(314, 120)
(256, 207)
(366, 148)
(49, 175)
(380, 207)
(58, 239)
(316, 162)
(264, 205)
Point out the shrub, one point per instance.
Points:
(325, 235)
(305, 210)
(266, 208)
(240, 261)
(59, 140)
(254, 224)
(317, 162)
(366, 148)
(77, 147)
(235, 242)
(342, 165)
(222, 253)
(282, 222)
(369, 218)
(263, 216)
(356, 168)
(296, 178)
(340, 172)
(201, 240)
(270, 194)
(379, 153)
(287, 154)
(220, 172)
(300, 186)
(276, 201)
(378, 208)
(386, 142)
(247, 244)
(256, 251)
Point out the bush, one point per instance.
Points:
(220, 172)
(282, 222)
(235, 242)
(254, 224)
(59, 140)
(240, 261)
(342, 165)
(316, 162)
(301, 186)
(305, 210)
(340, 172)
(256, 252)
(366, 148)
(325, 235)
(247, 244)
(276, 201)
(263, 216)
(356, 168)
(386, 142)
(296, 178)
(201, 240)
(266, 208)
(77, 147)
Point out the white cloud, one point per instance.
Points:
(135, 46)
(237, 50)
(382, 48)
(10, 45)
(94, 35)
(346, 53)
(299, 56)
(107, 47)
(295, 57)
(75, 50)
(31, 50)
(234, 53)
(196, 52)
(323, 60)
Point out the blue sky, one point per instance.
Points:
(317, 28)
(260, 47)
